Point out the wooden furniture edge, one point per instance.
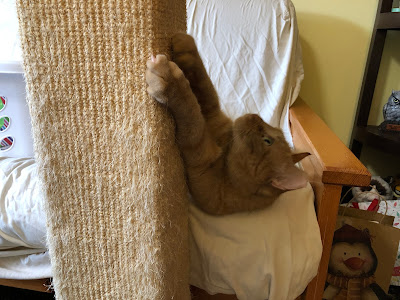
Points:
(39, 285)
(330, 167)
(332, 162)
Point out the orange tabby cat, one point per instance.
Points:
(231, 166)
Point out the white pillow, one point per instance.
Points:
(22, 217)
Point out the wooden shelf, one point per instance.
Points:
(362, 133)
(389, 21)
(388, 141)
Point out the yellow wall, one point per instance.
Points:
(335, 37)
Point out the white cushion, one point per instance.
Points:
(268, 254)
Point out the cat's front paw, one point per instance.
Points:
(162, 77)
(182, 42)
(184, 51)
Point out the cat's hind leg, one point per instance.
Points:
(168, 85)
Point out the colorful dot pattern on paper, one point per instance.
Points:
(3, 101)
(6, 143)
(4, 123)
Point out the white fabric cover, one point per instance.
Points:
(22, 221)
(268, 254)
(26, 266)
(252, 53)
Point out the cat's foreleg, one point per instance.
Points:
(186, 56)
(168, 85)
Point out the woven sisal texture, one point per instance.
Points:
(110, 170)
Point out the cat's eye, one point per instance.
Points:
(396, 100)
(268, 141)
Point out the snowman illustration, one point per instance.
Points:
(352, 265)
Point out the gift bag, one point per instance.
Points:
(389, 208)
(363, 254)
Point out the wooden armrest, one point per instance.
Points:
(331, 161)
(331, 166)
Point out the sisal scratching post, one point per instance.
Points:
(112, 175)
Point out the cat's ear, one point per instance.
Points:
(292, 179)
(296, 157)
